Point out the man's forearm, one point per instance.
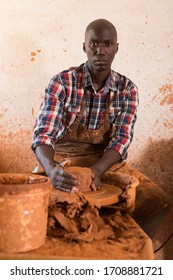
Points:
(109, 158)
(45, 155)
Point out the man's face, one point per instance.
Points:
(100, 46)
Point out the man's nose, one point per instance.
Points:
(101, 48)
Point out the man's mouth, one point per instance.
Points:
(100, 61)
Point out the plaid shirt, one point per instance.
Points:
(62, 103)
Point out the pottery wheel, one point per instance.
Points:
(106, 195)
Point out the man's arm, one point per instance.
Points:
(47, 128)
(121, 135)
(109, 158)
(45, 155)
(60, 179)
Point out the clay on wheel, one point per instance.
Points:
(83, 175)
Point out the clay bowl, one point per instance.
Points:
(23, 211)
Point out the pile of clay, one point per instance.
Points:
(80, 220)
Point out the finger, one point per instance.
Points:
(93, 187)
(69, 187)
(61, 172)
(92, 175)
(65, 163)
(64, 182)
(70, 182)
(63, 179)
(69, 175)
(60, 188)
(64, 187)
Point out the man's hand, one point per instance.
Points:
(96, 177)
(109, 158)
(63, 180)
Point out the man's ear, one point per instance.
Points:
(84, 49)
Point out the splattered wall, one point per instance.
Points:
(38, 41)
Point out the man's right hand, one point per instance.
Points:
(63, 180)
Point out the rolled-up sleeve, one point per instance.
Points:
(48, 124)
(123, 126)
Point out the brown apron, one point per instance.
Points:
(81, 145)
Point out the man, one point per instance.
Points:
(88, 116)
(90, 106)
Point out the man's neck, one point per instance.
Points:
(99, 79)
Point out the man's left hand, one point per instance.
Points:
(96, 177)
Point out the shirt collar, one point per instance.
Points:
(87, 81)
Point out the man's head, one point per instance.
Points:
(100, 45)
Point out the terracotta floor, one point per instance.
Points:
(165, 230)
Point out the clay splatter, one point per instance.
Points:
(165, 96)
(168, 98)
(3, 112)
(33, 55)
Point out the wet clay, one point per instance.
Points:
(78, 219)
(83, 175)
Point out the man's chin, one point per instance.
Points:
(101, 67)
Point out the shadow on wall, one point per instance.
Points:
(157, 163)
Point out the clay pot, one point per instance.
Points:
(23, 211)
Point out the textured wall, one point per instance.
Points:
(41, 38)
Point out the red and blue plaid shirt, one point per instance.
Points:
(62, 103)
